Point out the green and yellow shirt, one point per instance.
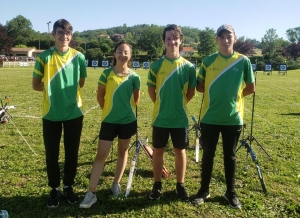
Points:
(119, 100)
(224, 79)
(171, 79)
(61, 74)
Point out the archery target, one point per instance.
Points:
(268, 67)
(104, 63)
(136, 64)
(282, 67)
(146, 64)
(94, 63)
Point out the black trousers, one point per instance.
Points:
(52, 131)
(210, 135)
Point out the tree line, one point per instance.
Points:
(147, 44)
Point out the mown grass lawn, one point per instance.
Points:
(23, 181)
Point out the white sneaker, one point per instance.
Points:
(116, 189)
(88, 200)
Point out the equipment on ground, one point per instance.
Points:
(244, 142)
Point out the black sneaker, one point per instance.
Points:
(70, 195)
(155, 193)
(233, 200)
(53, 200)
(181, 192)
(201, 196)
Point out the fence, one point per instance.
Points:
(18, 64)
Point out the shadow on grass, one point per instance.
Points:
(213, 199)
(291, 114)
(36, 206)
(218, 199)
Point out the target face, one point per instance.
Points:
(146, 64)
(253, 67)
(268, 67)
(94, 63)
(136, 64)
(282, 67)
(104, 63)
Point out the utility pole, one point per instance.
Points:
(39, 40)
(49, 33)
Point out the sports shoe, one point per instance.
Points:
(181, 192)
(89, 199)
(70, 195)
(201, 196)
(53, 198)
(116, 189)
(155, 193)
(233, 200)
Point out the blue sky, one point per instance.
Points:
(249, 18)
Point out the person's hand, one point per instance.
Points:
(41, 86)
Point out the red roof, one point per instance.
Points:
(188, 49)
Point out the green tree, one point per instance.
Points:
(6, 43)
(94, 54)
(255, 43)
(207, 42)
(241, 39)
(270, 44)
(107, 41)
(105, 48)
(20, 30)
(94, 44)
(129, 37)
(151, 41)
(293, 34)
(20, 46)
(79, 48)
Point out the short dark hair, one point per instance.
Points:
(117, 46)
(174, 29)
(64, 24)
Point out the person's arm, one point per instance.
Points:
(190, 94)
(100, 95)
(136, 96)
(81, 82)
(200, 86)
(37, 84)
(152, 93)
(249, 89)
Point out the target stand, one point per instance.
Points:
(135, 65)
(94, 64)
(268, 69)
(105, 64)
(254, 68)
(282, 70)
(146, 65)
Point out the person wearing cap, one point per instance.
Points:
(224, 78)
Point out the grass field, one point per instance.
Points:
(23, 181)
